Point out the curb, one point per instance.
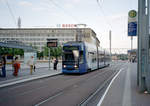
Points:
(28, 79)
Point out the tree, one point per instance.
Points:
(40, 54)
(54, 52)
(11, 51)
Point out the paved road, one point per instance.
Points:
(62, 90)
(124, 90)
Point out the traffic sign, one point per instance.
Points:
(132, 14)
(132, 29)
(132, 23)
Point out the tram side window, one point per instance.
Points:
(91, 56)
(94, 57)
(81, 57)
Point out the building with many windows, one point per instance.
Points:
(38, 36)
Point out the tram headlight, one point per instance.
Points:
(75, 66)
(64, 66)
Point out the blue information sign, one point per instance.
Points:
(132, 29)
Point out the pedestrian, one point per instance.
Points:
(55, 64)
(3, 66)
(31, 64)
(13, 64)
(34, 67)
(16, 65)
(0, 65)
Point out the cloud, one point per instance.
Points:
(119, 17)
(119, 31)
(73, 1)
(25, 3)
(68, 6)
(39, 9)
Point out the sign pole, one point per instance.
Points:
(49, 58)
(51, 43)
(131, 42)
(131, 49)
(132, 27)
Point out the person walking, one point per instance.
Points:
(16, 65)
(31, 64)
(3, 66)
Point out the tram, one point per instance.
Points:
(81, 57)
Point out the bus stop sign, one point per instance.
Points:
(132, 29)
(132, 23)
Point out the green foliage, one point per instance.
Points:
(11, 51)
(40, 55)
(54, 52)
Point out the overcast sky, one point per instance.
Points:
(102, 17)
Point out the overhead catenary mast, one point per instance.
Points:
(19, 22)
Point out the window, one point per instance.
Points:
(81, 60)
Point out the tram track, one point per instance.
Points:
(86, 101)
(75, 85)
(57, 90)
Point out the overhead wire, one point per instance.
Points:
(66, 12)
(11, 12)
(105, 17)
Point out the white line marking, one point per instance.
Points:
(127, 90)
(28, 79)
(50, 98)
(101, 100)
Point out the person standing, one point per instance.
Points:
(3, 66)
(13, 64)
(55, 64)
(16, 65)
(31, 64)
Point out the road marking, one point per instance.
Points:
(101, 100)
(50, 98)
(97, 75)
(28, 79)
(127, 90)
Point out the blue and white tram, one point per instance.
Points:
(103, 58)
(81, 57)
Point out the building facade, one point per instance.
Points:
(38, 36)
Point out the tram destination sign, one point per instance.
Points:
(51, 42)
(70, 48)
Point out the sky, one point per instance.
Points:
(99, 15)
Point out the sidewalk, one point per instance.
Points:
(42, 70)
(123, 91)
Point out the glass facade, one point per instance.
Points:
(38, 36)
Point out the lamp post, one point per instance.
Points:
(110, 41)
